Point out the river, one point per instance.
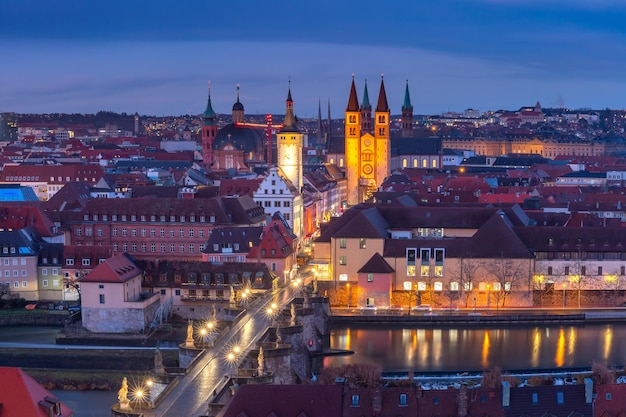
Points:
(457, 350)
(422, 350)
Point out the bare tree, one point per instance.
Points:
(508, 274)
(576, 273)
(467, 274)
(4, 289)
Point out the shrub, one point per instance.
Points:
(492, 378)
(601, 373)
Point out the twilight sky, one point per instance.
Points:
(81, 56)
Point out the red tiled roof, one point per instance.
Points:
(117, 269)
(21, 396)
(255, 400)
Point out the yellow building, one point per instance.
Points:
(289, 143)
(367, 150)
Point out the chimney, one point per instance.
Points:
(377, 402)
(506, 394)
(588, 390)
(462, 410)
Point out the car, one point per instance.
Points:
(396, 307)
(369, 309)
(423, 307)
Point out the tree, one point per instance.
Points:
(508, 274)
(467, 273)
(4, 290)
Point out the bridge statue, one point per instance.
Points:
(122, 395)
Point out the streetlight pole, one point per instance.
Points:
(348, 285)
(474, 304)
(563, 295)
(488, 296)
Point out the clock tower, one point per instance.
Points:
(289, 142)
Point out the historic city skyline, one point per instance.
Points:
(483, 54)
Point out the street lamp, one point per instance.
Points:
(474, 304)
(348, 285)
(488, 296)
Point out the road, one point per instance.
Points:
(209, 373)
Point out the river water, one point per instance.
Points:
(458, 350)
(420, 349)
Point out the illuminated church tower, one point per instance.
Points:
(209, 131)
(367, 153)
(289, 143)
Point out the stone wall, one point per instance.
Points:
(122, 320)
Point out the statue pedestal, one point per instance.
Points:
(189, 343)
(125, 405)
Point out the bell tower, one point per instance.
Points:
(407, 114)
(209, 131)
(289, 142)
(382, 135)
(352, 146)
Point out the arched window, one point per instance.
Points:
(405, 163)
(424, 163)
(341, 162)
(434, 164)
(415, 163)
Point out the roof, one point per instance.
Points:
(22, 396)
(353, 100)
(376, 265)
(117, 269)
(255, 400)
(382, 105)
(243, 138)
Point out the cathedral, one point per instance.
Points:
(367, 144)
(233, 147)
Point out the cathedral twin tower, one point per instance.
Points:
(367, 143)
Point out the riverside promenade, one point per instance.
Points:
(444, 317)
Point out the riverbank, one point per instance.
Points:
(452, 318)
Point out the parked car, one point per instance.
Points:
(369, 309)
(423, 307)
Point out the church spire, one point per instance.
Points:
(407, 114)
(320, 126)
(353, 101)
(209, 115)
(237, 109)
(366, 112)
(382, 105)
(290, 124)
(407, 99)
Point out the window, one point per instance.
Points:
(101, 298)
(454, 286)
(583, 270)
(549, 270)
(152, 233)
(599, 270)
(342, 243)
(162, 233)
(355, 401)
(153, 247)
(566, 270)
(124, 231)
(45, 282)
(86, 262)
(191, 233)
(133, 247)
(535, 398)
(402, 399)
(143, 232)
(24, 284)
(162, 247)
(177, 292)
(342, 260)
(362, 243)
(163, 292)
(622, 270)
(411, 255)
(115, 231)
(44, 271)
(370, 277)
(16, 284)
(559, 398)
(133, 232)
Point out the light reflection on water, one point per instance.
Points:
(457, 350)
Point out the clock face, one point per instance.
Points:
(367, 169)
(367, 142)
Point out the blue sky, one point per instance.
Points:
(156, 57)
